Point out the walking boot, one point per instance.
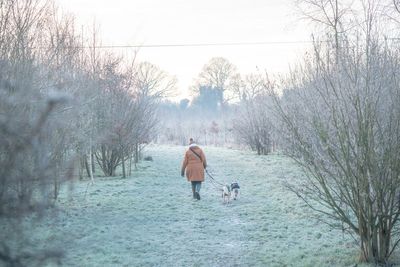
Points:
(194, 193)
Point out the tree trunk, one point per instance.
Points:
(56, 187)
(130, 165)
(91, 164)
(92, 159)
(81, 167)
(86, 166)
(123, 167)
(136, 153)
(375, 242)
(104, 160)
(56, 178)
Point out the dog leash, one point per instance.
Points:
(213, 178)
(218, 188)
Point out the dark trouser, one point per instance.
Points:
(196, 186)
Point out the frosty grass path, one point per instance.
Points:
(150, 219)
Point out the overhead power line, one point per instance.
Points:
(201, 44)
(198, 44)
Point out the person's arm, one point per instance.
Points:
(184, 164)
(203, 159)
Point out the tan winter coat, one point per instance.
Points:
(193, 165)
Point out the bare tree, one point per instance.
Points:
(342, 124)
(150, 80)
(253, 125)
(151, 84)
(60, 102)
(107, 111)
(126, 110)
(35, 151)
(332, 15)
(220, 75)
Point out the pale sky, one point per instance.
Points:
(150, 22)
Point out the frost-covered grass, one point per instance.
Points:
(150, 219)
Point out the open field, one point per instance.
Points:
(150, 218)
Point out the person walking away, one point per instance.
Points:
(194, 163)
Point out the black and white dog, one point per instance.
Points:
(235, 190)
(229, 190)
